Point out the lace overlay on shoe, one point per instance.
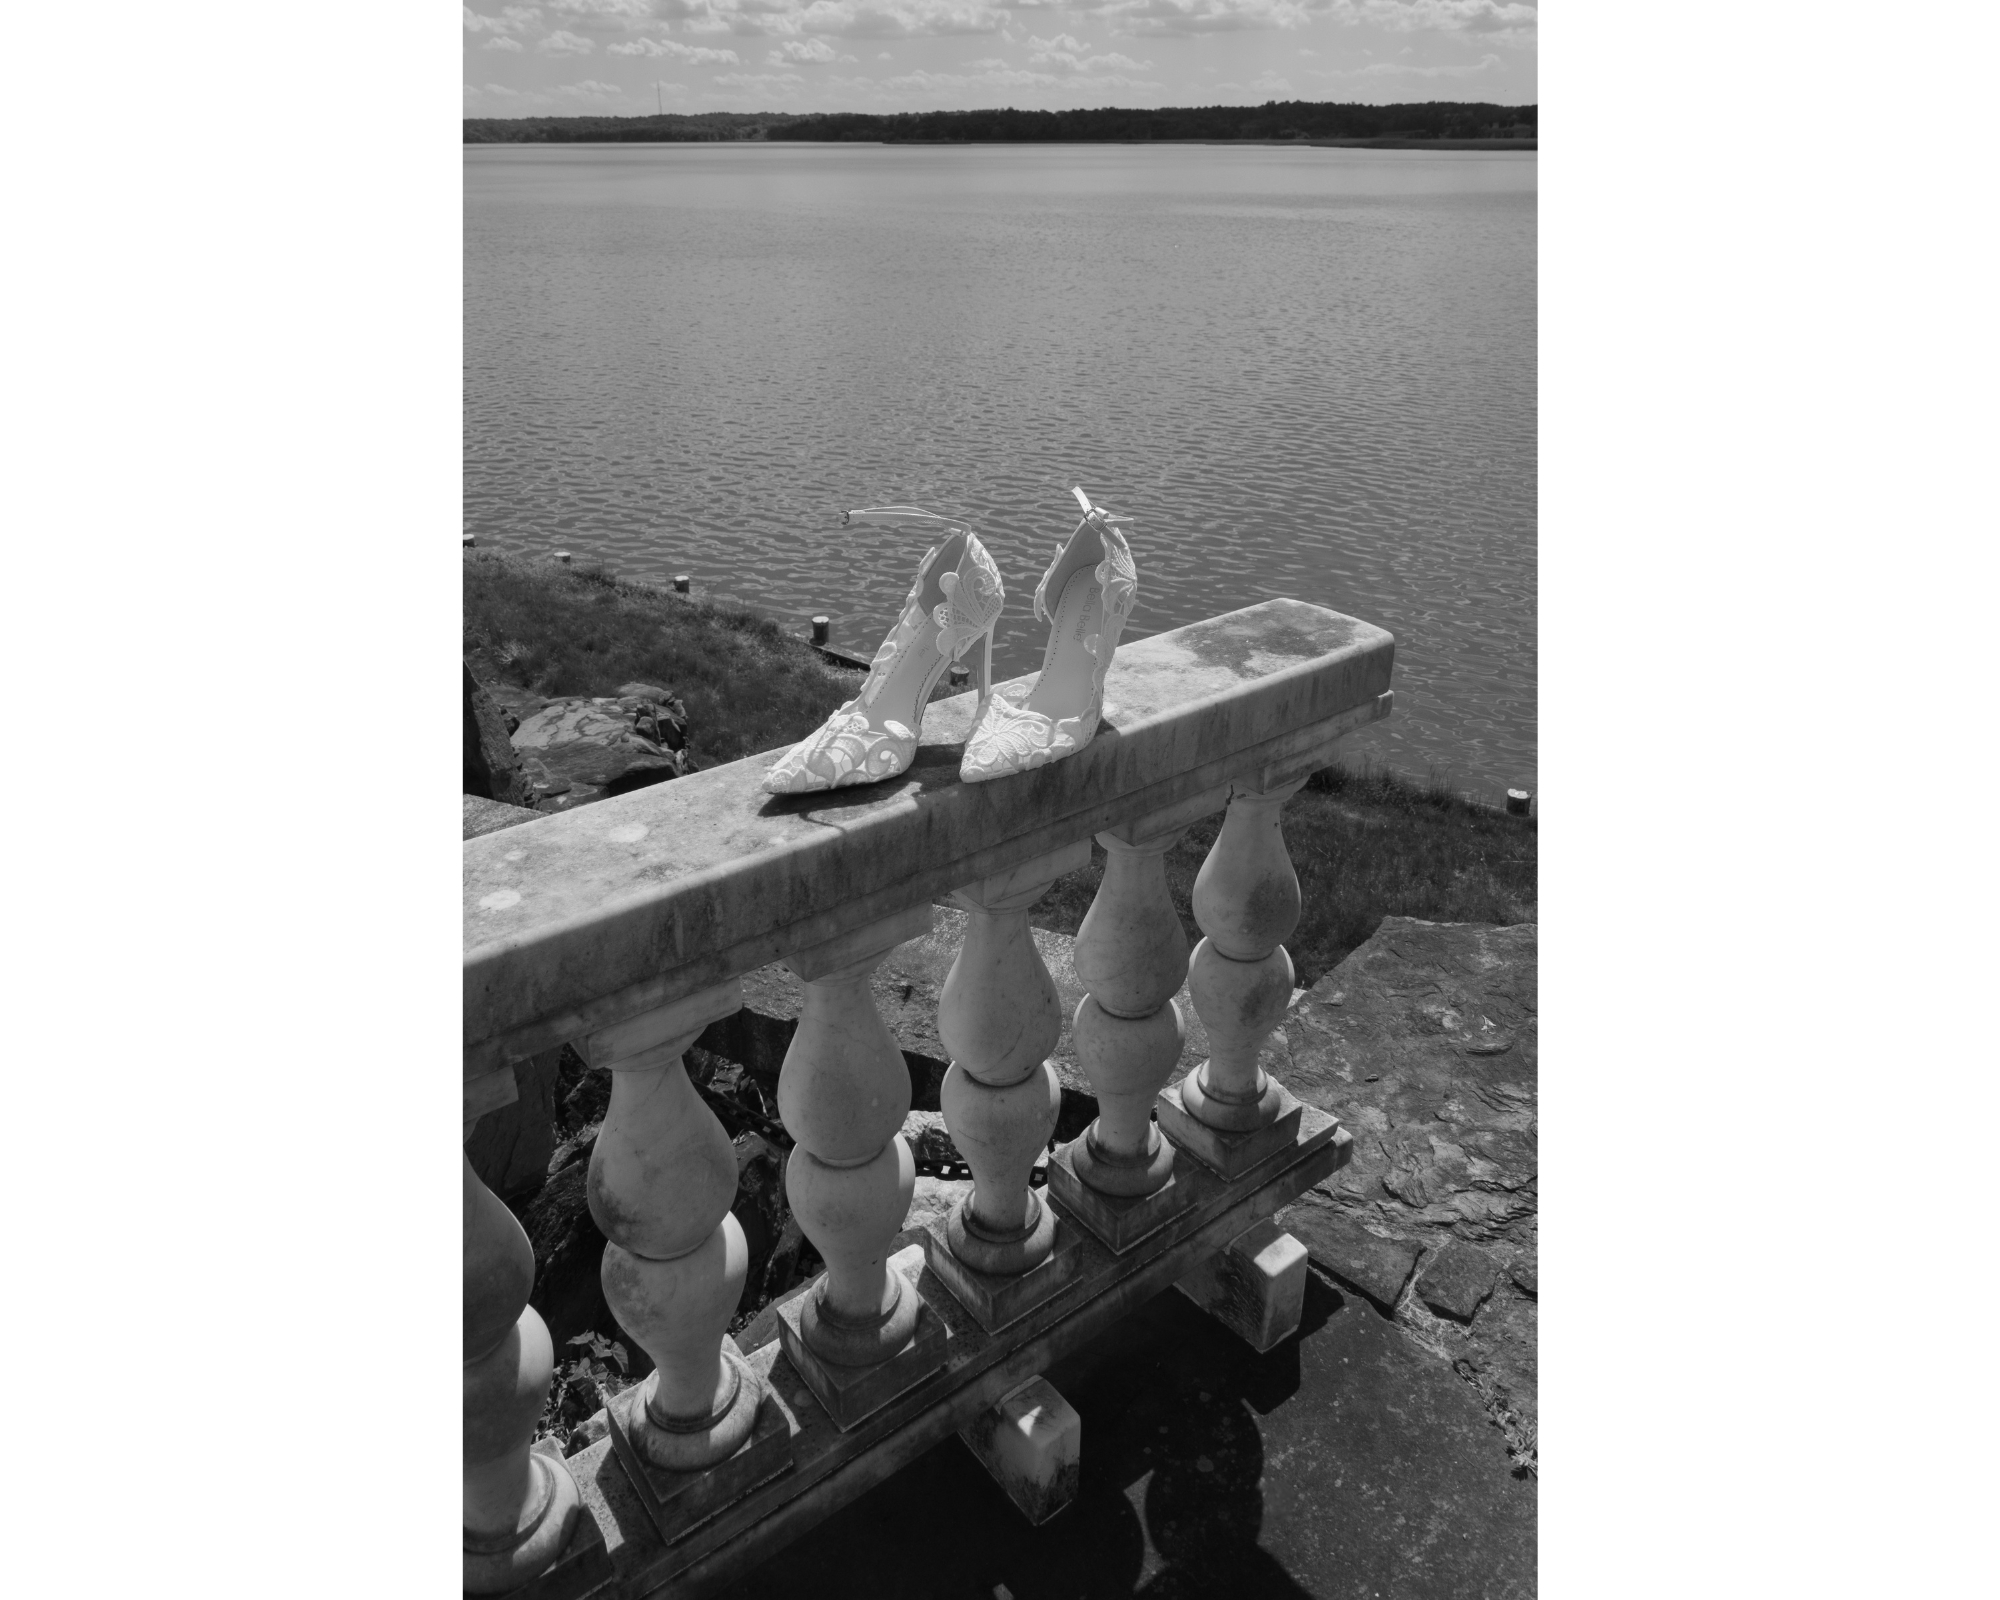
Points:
(861, 743)
(1008, 737)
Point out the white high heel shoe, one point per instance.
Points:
(953, 604)
(1095, 584)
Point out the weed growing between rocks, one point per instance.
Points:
(583, 1384)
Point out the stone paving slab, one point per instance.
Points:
(1424, 1041)
(1347, 1462)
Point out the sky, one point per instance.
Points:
(574, 57)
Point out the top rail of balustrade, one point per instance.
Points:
(591, 916)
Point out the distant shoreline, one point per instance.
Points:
(1413, 144)
(1441, 124)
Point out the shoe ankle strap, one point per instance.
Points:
(1107, 526)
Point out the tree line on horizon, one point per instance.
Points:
(1275, 119)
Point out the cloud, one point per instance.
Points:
(803, 50)
(1398, 69)
(1069, 55)
(1157, 18)
(991, 73)
(760, 82)
(1265, 86)
(856, 19)
(501, 42)
(811, 23)
(1442, 16)
(1502, 21)
(590, 89)
(515, 19)
(699, 54)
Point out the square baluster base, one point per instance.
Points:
(1030, 1441)
(584, 1566)
(1118, 1221)
(678, 1502)
(1228, 1155)
(995, 1301)
(853, 1393)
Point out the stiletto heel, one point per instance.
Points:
(956, 598)
(984, 675)
(1094, 582)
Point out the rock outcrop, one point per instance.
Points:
(577, 749)
(492, 769)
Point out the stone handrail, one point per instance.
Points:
(625, 926)
(617, 908)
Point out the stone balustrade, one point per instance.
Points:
(624, 926)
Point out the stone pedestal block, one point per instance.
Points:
(1228, 1155)
(582, 1568)
(1256, 1287)
(1031, 1442)
(678, 1502)
(851, 1393)
(1118, 1221)
(995, 1300)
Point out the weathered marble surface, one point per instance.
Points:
(1424, 1042)
(621, 906)
(490, 816)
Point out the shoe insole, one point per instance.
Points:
(1065, 687)
(902, 695)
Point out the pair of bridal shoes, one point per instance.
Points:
(954, 604)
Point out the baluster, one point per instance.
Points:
(1229, 1112)
(861, 1334)
(999, 1016)
(519, 1503)
(662, 1176)
(1117, 1177)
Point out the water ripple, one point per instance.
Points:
(1308, 373)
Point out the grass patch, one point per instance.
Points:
(1366, 846)
(747, 685)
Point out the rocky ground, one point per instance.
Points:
(1424, 1043)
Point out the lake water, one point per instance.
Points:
(1302, 372)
